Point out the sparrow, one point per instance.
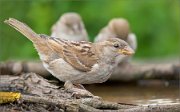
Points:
(120, 28)
(75, 62)
(70, 27)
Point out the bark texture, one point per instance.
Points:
(38, 94)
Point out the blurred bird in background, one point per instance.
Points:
(118, 27)
(70, 27)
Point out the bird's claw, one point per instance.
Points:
(78, 91)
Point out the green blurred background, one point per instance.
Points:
(155, 22)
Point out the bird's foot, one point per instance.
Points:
(78, 91)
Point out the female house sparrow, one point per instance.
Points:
(75, 62)
(120, 28)
(70, 27)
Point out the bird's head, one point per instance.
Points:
(73, 22)
(115, 48)
(119, 27)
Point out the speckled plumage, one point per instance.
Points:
(78, 62)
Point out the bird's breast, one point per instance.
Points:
(64, 72)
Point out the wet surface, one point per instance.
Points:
(137, 94)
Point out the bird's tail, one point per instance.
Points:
(40, 42)
(24, 29)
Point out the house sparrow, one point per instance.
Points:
(75, 62)
(70, 27)
(118, 27)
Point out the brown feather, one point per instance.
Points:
(79, 55)
(39, 41)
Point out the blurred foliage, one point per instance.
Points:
(155, 22)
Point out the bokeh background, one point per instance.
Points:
(155, 22)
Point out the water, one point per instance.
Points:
(137, 94)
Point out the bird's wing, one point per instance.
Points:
(80, 55)
(132, 41)
(103, 35)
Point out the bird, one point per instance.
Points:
(70, 27)
(72, 62)
(120, 28)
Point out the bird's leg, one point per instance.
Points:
(77, 92)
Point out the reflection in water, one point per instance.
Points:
(158, 101)
(133, 94)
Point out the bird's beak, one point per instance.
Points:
(127, 51)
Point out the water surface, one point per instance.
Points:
(137, 94)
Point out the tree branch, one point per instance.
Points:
(131, 71)
(37, 92)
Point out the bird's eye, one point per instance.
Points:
(116, 45)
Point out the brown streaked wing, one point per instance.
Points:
(79, 56)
